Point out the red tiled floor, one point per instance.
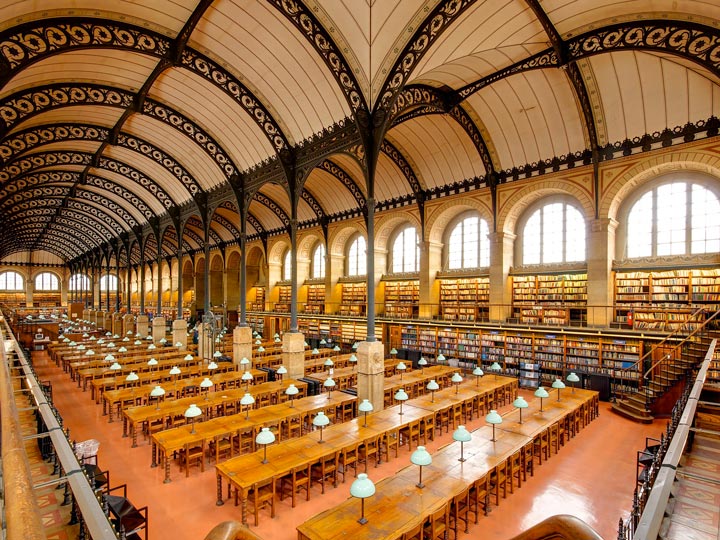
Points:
(592, 477)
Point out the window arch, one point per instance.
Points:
(11, 281)
(79, 282)
(553, 233)
(674, 218)
(357, 257)
(406, 251)
(47, 281)
(467, 243)
(317, 270)
(108, 282)
(287, 266)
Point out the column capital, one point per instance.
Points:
(502, 236)
(603, 225)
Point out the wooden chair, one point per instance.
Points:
(244, 442)
(370, 447)
(348, 458)
(515, 470)
(347, 412)
(298, 478)
(479, 497)
(555, 438)
(293, 426)
(155, 425)
(416, 533)
(409, 433)
(457, 416)
(261, 495)
(541, 444)
(528, 451)
(222, 446)
(427, 428)
(459, 511)
(326, 469)
(388, 441)
(438, 524)
(443, 420)
(193, 453)
(498, 481)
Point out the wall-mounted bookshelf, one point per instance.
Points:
(49, 299)
(464, 299)
(353, 299)
(315, 299)
(256, 298)
(402, 298)
(550, 299)
(13, 298)
(283, 303)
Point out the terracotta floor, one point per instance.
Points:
(592, 477)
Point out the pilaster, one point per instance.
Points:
(242, 344)
(501, 260)
(371, 373)
(430, 264)
(158, 329)
(128, 324)
(293, 354)
(600, 254)
(179, 333)
(143, 325)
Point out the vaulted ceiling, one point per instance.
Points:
(214, 117)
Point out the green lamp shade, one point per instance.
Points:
(572, 377)
(152, 362)
(421, 457)
(282, 370)
(336, 348)
(291, 390)
(433, 385)
(193, 411)
(175, 370)
(493, 417)
(401, 395)
(495, 367)
(456, 378)
(247, 399)
(557, 383)
(329, 383)
(132, 377)
(328, 363)
(188, 357)
(478, 372)
(206, 383)
(541, 393)
(321, 420)
(315, 351)
(365, 406)
(352, 358)
(401, 366)
(265, 436)
(362, 487)
(461, 434)
(393, 351)
(520, 403)
(212, 365)
(422, 361)
(158, 391)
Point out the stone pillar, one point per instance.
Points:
(333, 290)
(99, 319)
(179, 333)
(430, 264)
(128, 324)
(202, 345)
(502, 245)
(600, 249)
(242, 344)
(293, 354)
(158, 329)
(117, 324)
(143, 326)
(371, 373)
(107, 321)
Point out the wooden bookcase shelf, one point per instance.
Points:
(665, 300)
(353, 300)
(283, 303)
(402, 299)
(552, 299)
(256, 298)
(464, 299)
(315, 299)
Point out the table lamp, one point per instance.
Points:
(93, 338)
(356, 345)
(365, 407)
(456, 380)
(152, 363)
(495, 368)
(353, 360)
(131, 378)
(305, 344)
(401, 396)
(244, 363)
(440, 358)
(277, 340)
(89, 352)
(329, 384)
(328, 364)
(258, 342)
(282, 370)
(520, 404)
(276, 335)
(393, 352)
(315, 351)
(260, 349)
(541, 393)
(401, 367)
(432, 386)
(188, 357)
(320, 421)
(463, 435)
(291, 391)
(264, 438)
(109, 358)
(421, 458)
(557, 383)
(192, 412)
(478, 372)
(137, 342)
(573, 378)
(115, 366)
(81, 347)
(149, 337)
(247, 377)
(246, 401)
(157, 392)
(212, 365)
(163, 341)
(126, 339)
(217, 354)
(362, 488)
(422, 363)
(206, 384)
(336, 348)
(179, 344)
(493, 418)
(151, 347)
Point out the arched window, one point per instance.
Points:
(554, 233)
(318, 262)
(79, 282)
(468, 245)
(46, 282)
(357, 257)
(11, 281)
(676, 218)
(287, 267)
(108, 282)
(406, 251)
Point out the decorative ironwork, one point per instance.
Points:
(42, 160)
(272, 205)
(28, 103)
(27, 139)
(345, 179)
(417, 96)
(396, 156)
(226, 224)
(120, 191)
(40, 178)
(691, 40)
(331, 140)
(74, 224)
(92, 210)
(114, 208)
(463, 118)
(138, 177)
(255, 224)
(321, 41)
(313, 203)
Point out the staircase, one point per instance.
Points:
(666, 375)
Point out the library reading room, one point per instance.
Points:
(360, 269)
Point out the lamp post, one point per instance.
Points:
(572, 378)
(246, 401)
(157, 392)
(440, 358)
(422, 363)
(192, 412)
(320, 421)
(495, 368)
(264, 438)
(557, 383)
(152, 363)
(542, 394)
(401, 367)
(362, 488)
(421, 458)
(244, 363)
(206, 383)
(247, 377)
(401, 396)
(329, 384)
(291, 391)
(463, 435)
(456, 379)
(493, 418)
(353, 360)
(432, 386)
(365, 407)
(282, 370)
(520, 404)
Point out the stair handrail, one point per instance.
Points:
(634, 367)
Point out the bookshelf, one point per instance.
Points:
(13, 298)
(353, 299)
(519, 358)
(256, 298)
(48, 299)
(283, 303)
(402, 298)
(256, 323)
(550, 299)
(315, 299)
(464, 299)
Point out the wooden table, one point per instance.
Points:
(134, 359)
(139, 365)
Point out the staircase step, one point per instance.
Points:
(624, 409)
(638, 400)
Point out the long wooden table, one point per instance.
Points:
(399, 506)
(138, 365)
(243, 472)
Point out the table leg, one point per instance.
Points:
(125, 434)
(134, 436)
(243, 495)
(219, 501)
(153, 464)
(110, 412)
(167, 468)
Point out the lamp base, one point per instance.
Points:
(265, 461)
(420, 485)
(362, 521)
(462, 459)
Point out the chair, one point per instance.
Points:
(262, 494)
(370, 447)
(438, 524)
(347, 412)
(555, 441)
(389, 440)
(457, 415)
(348, 458)
(298, 478)
(528, 451)
(416, 533)
(497, 481)
(325, 469)
(479, 496)
(515, 470)
(410, 432)
(444, 419)
(427, 426)
(459, 510)
(293, 426)
(222, 446)
(244, 442)
(541, 444)
(193, 453)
